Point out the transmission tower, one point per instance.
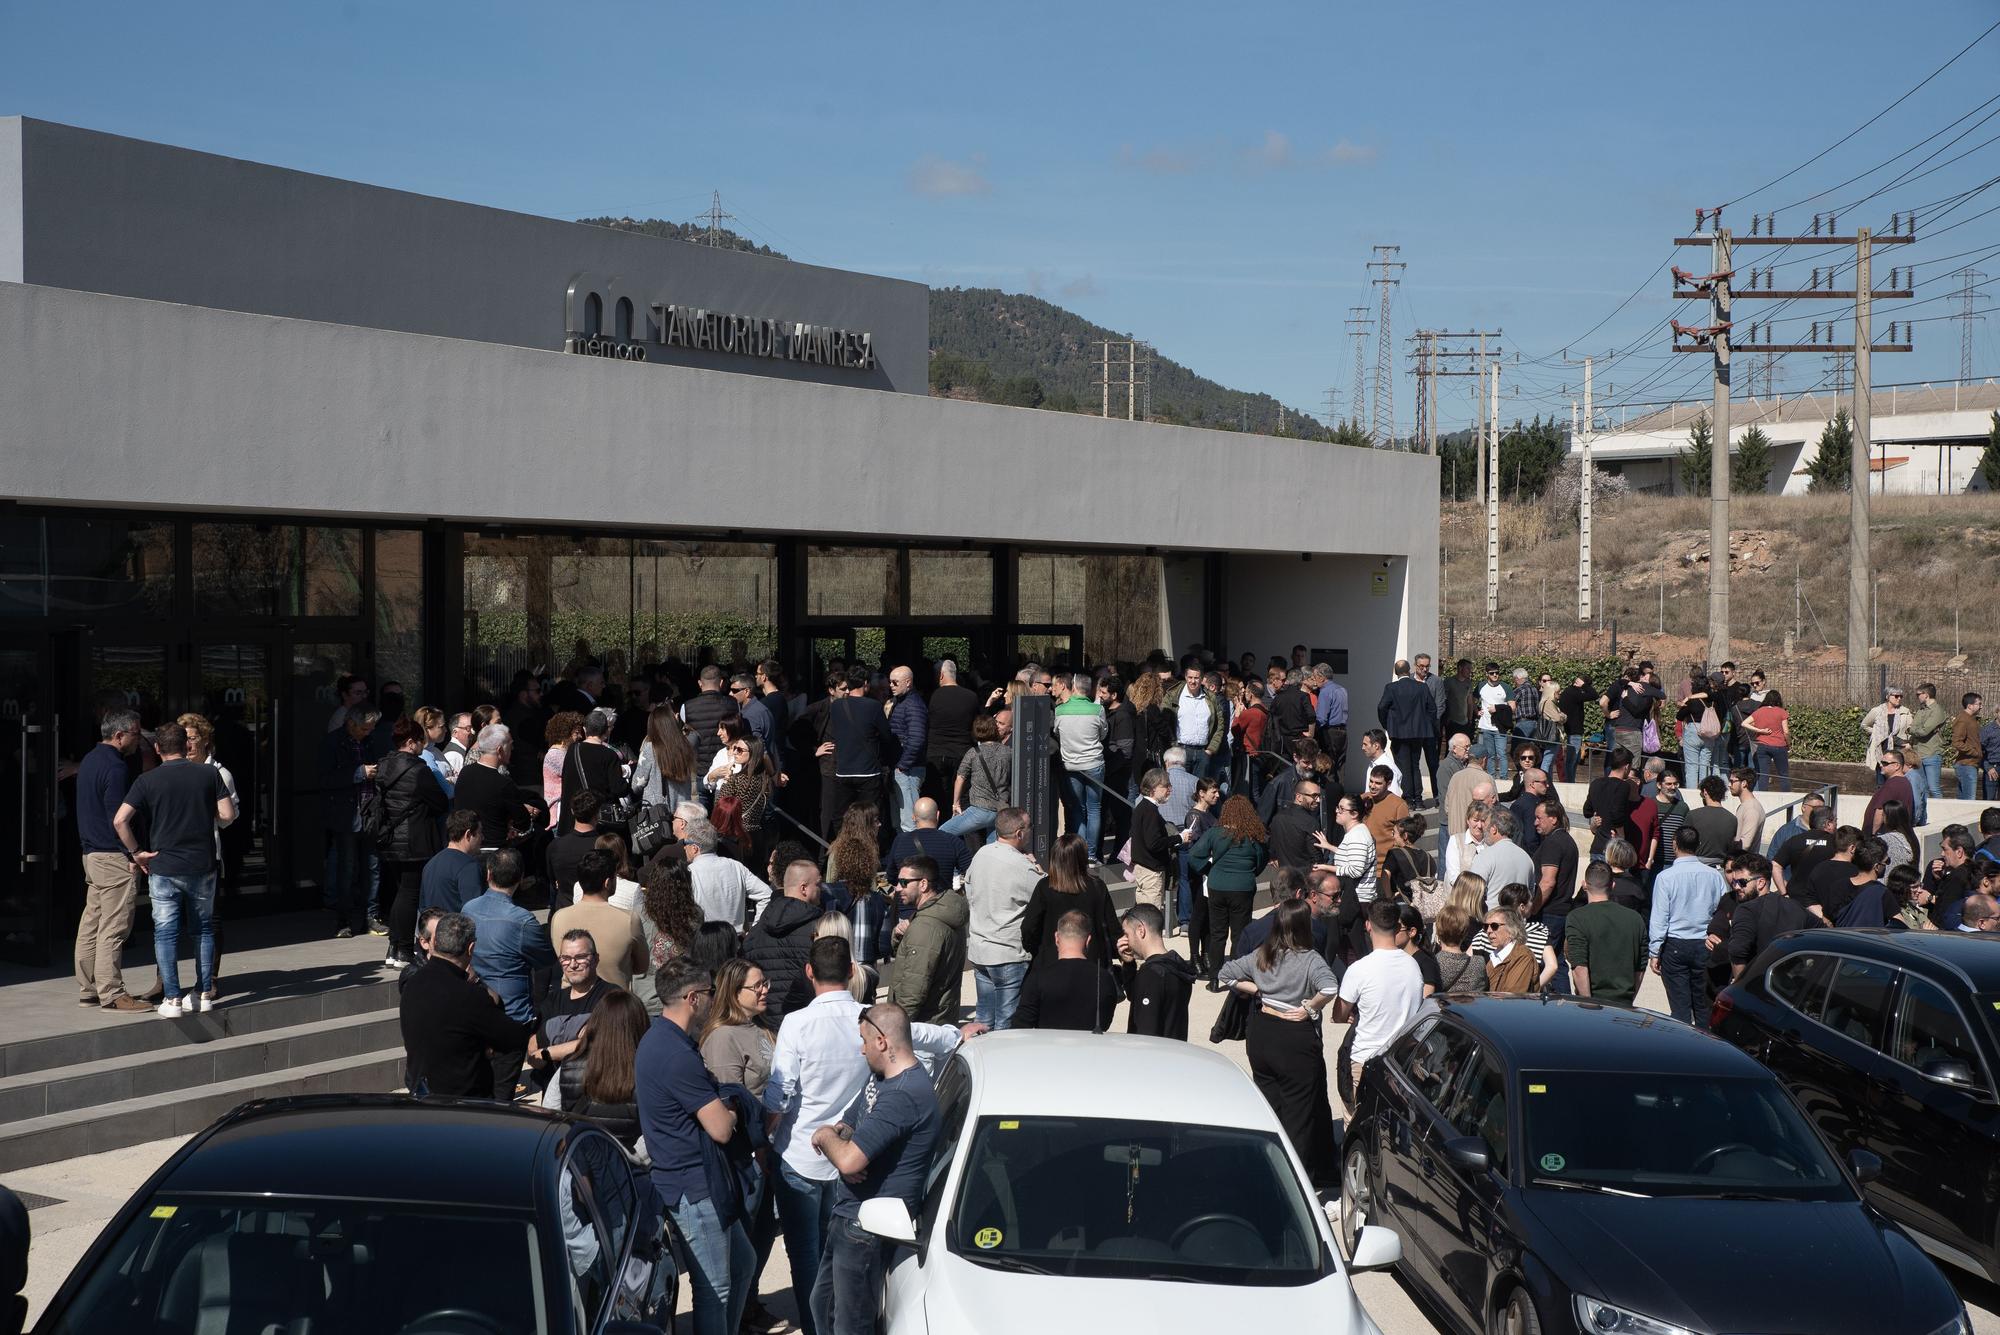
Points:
(1331, 401)
(1357, 325)
(1968, 294)
(1382, 431)
(716, 217)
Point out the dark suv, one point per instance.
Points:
(1887, 1040)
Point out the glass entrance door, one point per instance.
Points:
(28, 807)
(300, 711)
(232, 688)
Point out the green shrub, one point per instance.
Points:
(1828, 734)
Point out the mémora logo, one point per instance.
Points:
(600, 328)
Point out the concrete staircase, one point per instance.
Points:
(120, 1081)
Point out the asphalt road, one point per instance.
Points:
(90, 1189)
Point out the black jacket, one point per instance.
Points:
(1761, 921)
(449, 1022)
(1159, 993)
(1068, 994)
(414, 803)
(1291, 719)
(566, 850)
(1121, 740)
(1407, 710)
(597, 767)
(1153, 844)
(863, 745)
(1291, 842)
(702, 713)
(620, 1119)
(778, 945)
(499, 801)
(1046, 907)
(952, 709)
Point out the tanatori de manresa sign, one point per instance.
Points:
(680, 326)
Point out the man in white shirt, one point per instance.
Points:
(1381, 992)
(817, 1071)
(1375, 751)
(998, 885)
(1492, 742)
(1502, 861)
(722, 886)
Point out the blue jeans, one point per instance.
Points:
(1554, 923)
(169, 895)
(1083, 806)
(1491, 744)
(723, 1259)
(909, 784)
(805, 1208)
(848, 1293)
(1928, 778)
(998, 991)
(1968, 779)
(970, 819)
(1697, 759)
(1684, 970)
(347, 858)
(1775, 762)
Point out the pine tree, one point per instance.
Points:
(1750, 469)
(1351, 432)
(1697, 457)
(1989, 459)
(1832, 465)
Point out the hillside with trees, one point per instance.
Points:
(696, 233)
(1003, 347)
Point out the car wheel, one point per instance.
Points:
(1357, 1197)
(1517, 1315)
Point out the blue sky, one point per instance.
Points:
(1207, 177)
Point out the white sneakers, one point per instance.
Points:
(186, 1004)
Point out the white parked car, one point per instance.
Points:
(1086, 1182)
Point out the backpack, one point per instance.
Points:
(1710, 726)
(378, 823)
(1427, 893)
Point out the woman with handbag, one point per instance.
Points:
(1233, 851)
(1409, 869)
(564, 730)
(1701, 731)
(744, 800)
(593, 763)
(664, 773)
(1551, 729)
(1292, 984)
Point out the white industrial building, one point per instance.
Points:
(1927, 439)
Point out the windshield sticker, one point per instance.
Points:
(1553, 1163)
(1538, 1089)
(1010, 1126)
(986, 1239)
(164, 1211)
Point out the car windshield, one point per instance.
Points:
(1106, 1198)
(1673, 1135)
(193, 1263)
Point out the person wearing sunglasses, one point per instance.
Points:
(1510, 964)
(1982, 914)
(930, 961)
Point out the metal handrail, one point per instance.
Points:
(794, 822)
(1100, 784)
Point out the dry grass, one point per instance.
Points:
(1938, 558)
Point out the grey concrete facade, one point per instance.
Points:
(101, 213)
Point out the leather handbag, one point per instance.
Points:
(652, 830)
(1233, 1023)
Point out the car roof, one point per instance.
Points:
(1973, 956)
(1055, 1073)
(382, 1147)
(1574, 1033)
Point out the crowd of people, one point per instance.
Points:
(731, 923)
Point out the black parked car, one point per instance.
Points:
(364, 1214)
(1557, 1164)
(1887, 1039)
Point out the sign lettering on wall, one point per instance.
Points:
(590, 307)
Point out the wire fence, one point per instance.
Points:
(1821, 685)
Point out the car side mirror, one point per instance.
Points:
(887, 1218)
(1376, 1249)
(1469, 1153)
(1865, 1164)
(1950, 1071)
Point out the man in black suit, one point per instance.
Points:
(450, 1022)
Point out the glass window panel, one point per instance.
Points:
(333, 572)
(951, 584)
(23, 591)
(1049, 587)
(691, 595)
(244, 569)
(507, 607)
(852, 582)
(109, 565)
(399, 609)
(134, 675)
(590, 605)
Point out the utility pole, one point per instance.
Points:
(1358, 322)
(1718, 457)
(1858, 557)
(1383, 431)
(1586, 484)
(1331, 401)
(1716, 287)
(1968, 294)
(1479, 397)
(1106, 410)
(1131, 380)
(716, 217)
(1493, 501)
(1423, 390)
